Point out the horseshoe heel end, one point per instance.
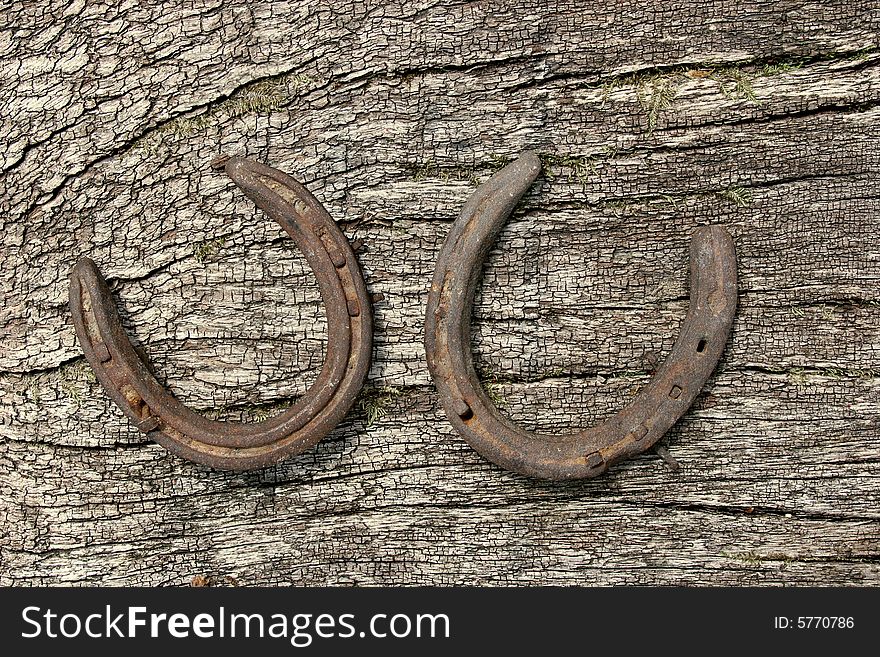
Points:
(105, 345)
(247, 174)
(527, 164)
(282, 197)
(504, 189)
(89, 296)
(85, 276)
(84, 266)
(713, 271)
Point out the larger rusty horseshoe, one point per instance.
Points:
(232, 445)
(631, 431)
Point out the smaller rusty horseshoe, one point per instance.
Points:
(631, 431)
(233, 445)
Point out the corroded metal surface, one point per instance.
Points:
(634, 429)
(231, 445)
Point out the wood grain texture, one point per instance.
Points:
(762, 116)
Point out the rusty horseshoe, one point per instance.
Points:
(233, 445)
(631, 431)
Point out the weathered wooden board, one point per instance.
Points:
(763, 116)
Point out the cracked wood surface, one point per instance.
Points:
(763, 116)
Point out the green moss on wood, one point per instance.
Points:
(204, 251)
(374, 402)
(263, 97)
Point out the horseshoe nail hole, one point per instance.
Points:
(148, 424)
(701, 345)
(102, 352)
(463, 410)
(354, 308)
(131, 396)
(675, 393)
